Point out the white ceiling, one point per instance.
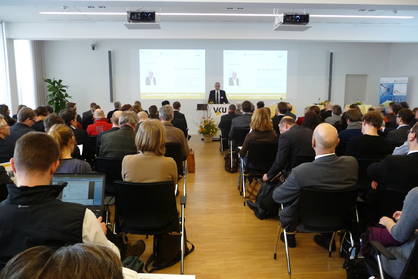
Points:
(24, 21)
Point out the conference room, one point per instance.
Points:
(208, 139)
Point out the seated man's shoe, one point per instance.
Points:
(323, 241)
(291, 239)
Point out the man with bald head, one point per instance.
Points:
(327, 172)
(100, 124)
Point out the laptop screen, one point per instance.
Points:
(84, 189)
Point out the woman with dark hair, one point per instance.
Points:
(41, 113)
(126, 107)
(153, 112)
(311, 120)
(4, 110)
(390, 117)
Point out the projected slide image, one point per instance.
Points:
(255, 74)
(172, 73)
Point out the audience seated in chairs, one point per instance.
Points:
(79, 261)
(44, 218)
(261, 131)
(179, 120)
(335, 116)
(65, 139)
(142, 116)
(311, 120)
(153, 112)
(326, 172)
(70, 118)
(150, 164)
(353, 129)
(6, 142)
(390, 117)
(243, 120)
(173, 134)
(370, 145)
(88, 116)
(225, 124)
(399, 234)
(41, 113)
(294, 147)
(326, 111)
(114, 119)
(117, 105)
(122, 141)
(399, 135)
(100, 124)
(4, 110)
(282, 110)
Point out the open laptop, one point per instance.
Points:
(85, 189)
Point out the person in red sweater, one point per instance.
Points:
(100, 124)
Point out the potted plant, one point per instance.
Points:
(57, 94)
(208, 129)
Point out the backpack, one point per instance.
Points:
(227, 159)
(264, 206)
(355, 267)
(166, 251)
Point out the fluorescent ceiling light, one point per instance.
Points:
(226, 15)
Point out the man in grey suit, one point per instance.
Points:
(244, 120)
(121, 142)
(327, 172)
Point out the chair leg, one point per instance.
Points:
(342, 241)
(182, 242)
(286, 246)
(243, 181)
(379, 263)
(330, 244)
(230, 151)
(279, 231)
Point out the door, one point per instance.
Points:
(355, 88)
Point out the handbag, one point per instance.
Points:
(253, 189)
(191, 164)
(166, 251)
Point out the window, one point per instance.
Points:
(25, 76)
(4, 77)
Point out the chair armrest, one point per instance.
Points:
(382, 250)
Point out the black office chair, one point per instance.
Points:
(410, 270)
(237, 139)
(259, 159)
(90, 149)
(112, 167)
(323, 211)
(173, 150)
(150, 209)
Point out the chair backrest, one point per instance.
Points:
(173, 150)
(90, 149)
(112, 167)
(146, 208)
(326, 210)
(410, 270)
(261, 155)
(238, 135)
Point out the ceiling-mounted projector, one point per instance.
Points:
(142, 20)
(291, 22)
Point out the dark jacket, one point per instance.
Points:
(119, 143)
(7, 146)
(225, 123)
(87, 119)
(395, 172)
(4, 180)
(276, 120)
(212, 97)
(99, 137)
(180, 122)
(328, 173)
(18, 130)
(292, 146)
(353, 130)
(398, 136)
(32, 216)
(369, 147)
(257, 136)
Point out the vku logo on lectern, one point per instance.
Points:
(219, 110)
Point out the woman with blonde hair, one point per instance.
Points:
(261, 130)
(65, 139)
(150, 164)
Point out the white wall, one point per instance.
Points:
(86, 71)
(403, 62)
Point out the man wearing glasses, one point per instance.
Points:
(25, 121)
(398, 136)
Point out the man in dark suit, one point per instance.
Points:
(397, 172)
(119, 143)
(225, 124)
(217, 96)
(327, 171)
(6, 144)
(179, 120)
(117, 105)
(282, 110)
(294, 147)
(243, 120)
(88, 116)
(25, 121)
(400, 134)
(115, 126)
